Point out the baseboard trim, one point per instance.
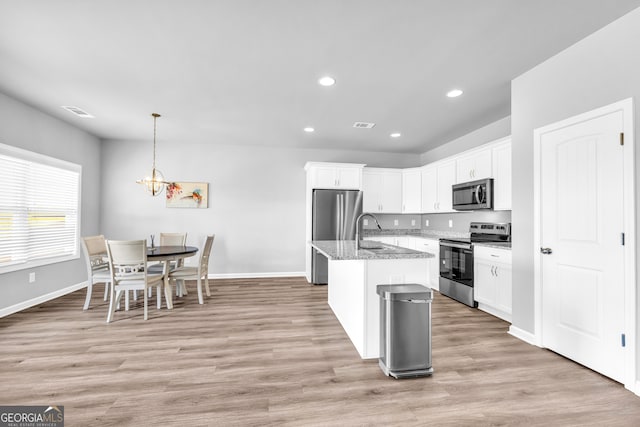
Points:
(41, 299)
(637, 388)
(257, 275)
(523, 335)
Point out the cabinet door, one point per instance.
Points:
(464, 166)
(348, 178)
(503, 298)
(431, 246)
(502, 176)
(446, 178)
(391, 192)
(371, 187)
(484, 283)
(325, 177)
(473, 166)
(411, 191)
(482, 165)
(429, 190)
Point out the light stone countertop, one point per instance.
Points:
(346, 250)
(433, 234)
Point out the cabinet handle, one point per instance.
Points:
(492, 273)
(496, 271)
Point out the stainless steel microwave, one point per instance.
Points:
(470, 196)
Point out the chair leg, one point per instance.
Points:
(159, 296)
(87, 300)
(146, 299)
(115, 299)
(206, 285)
(135, 295)
(200, 300)
(126, 300)
(106, 290)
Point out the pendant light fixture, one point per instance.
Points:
(155, 183)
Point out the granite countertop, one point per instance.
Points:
(415, 232)
(433, 234)
(346, 250)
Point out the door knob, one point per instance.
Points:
(546, 251)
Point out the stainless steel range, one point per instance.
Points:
(456, 259)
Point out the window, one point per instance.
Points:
(39, 209)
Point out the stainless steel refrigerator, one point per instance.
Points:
(334, 217)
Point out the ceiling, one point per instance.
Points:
(245, 72)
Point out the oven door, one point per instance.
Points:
(456, 262)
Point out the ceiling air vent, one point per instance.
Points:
(77, 111)
(363, 125)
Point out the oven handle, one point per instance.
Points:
(456, 245)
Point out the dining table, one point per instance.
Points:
(166, 254)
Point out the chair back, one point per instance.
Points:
(206, 251)
(173, 239)
(127, 257)
(95, 253)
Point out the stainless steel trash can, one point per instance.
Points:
(405, 330)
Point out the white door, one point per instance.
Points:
(582, 221)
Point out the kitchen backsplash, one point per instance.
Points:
(456, 221)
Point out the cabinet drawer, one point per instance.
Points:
(492, 254)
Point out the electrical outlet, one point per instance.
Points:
(365, 222)
(32, 277)
(395, 222)
(450, 223)
(413, 222)
(426, 222)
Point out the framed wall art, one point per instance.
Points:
(188, 195)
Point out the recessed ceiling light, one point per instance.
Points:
(395, 135)
(309, 129)
(454, 93)
(326, 81)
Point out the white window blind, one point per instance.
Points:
(39, 209)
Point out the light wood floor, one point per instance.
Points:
(270, 352)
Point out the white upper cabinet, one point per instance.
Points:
(473, 165)
(382, 190)
(437, 180)
(346, 176)
(412, 190)
(501, 153)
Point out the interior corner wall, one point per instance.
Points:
(599, 70)
(256, 199)
(25, 127)
(491, 132)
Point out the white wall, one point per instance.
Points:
(491, 132)
(256, 199)
(27, 128)
(599, 70)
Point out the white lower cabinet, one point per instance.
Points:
(492, 281)
(431, 246)
(421, 244)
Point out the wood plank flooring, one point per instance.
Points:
(270, 353)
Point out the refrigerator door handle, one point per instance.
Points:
(341, 208)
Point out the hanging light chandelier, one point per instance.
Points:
(155, 183)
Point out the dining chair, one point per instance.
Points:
(199, 273)
(169, 239)
(97, 264)
(128, 267)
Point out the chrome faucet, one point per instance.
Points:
(359, 226)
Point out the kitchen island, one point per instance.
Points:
(354, 274)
